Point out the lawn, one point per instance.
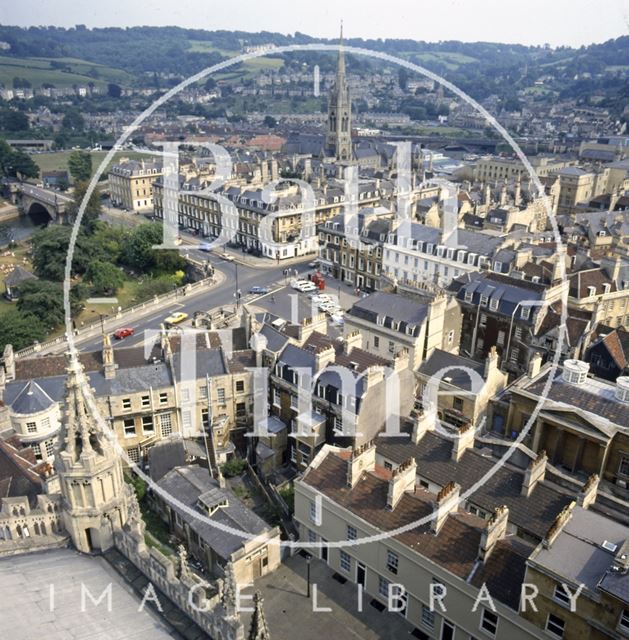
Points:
(58, 160)
(38, 71)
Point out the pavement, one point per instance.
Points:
(25, 606)
(289, 612)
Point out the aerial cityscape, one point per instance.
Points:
(315, 321)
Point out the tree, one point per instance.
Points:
(12, 120)
(80, 165)
(50, 251)
(138, 252)
(43, 300)
(15, 163)
(20, 330)
(270, 122)
(402, 77)
(114, 90)
(73, 121)
(106, 278)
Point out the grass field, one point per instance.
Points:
(58, 160)
(451, 60)
(39, 71)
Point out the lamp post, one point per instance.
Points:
(102, 317)
(308, 558)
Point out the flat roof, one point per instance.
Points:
(25, 605)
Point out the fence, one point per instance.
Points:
(96, 325)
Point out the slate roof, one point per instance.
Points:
(188, 485)
(533, 515)
(459, 378)
(275, 340)
(32, 399)
(577, 555)
(597, 397)
(393, 308)
(18, 275)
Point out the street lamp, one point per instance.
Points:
(308, 558)
(102, 317)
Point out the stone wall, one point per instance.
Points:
(195, 597)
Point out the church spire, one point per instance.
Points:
(339, 135)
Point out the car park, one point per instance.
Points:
(123, 332)
(176, 318)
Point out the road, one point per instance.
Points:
(237, 276)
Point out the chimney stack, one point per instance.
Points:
(534, 474)
(402, 480)
(588, 493)
(361, 459)
(464, 441)
(423, 421)
(557, 526)
(491, 362)
(324, 357)
(535, 364)
(447, 502)
(494, 531)
(353, 340)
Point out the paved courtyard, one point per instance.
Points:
(25, 611)
(289, 612)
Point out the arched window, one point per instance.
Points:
(19, 531)
(36, 529)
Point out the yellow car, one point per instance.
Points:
(176, 318)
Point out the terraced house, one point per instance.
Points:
(144, 399)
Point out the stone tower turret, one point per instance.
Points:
(95, 497)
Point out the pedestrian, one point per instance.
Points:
(272, 298)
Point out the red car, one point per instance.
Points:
(125, 332)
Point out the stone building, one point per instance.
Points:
(131, 184)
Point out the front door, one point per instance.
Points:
(324, 550)
(361, 574)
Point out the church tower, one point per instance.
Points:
(95, 496)
(339, 137)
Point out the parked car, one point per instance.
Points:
(227, 256)
(337, 319)
(259, 290)
(296, 284)
(124, 332)
(318, 298)
(305, 286)
(176, 318)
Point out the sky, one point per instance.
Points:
(557, 22)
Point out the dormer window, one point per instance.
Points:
(493, 304)
(468, 296)
(525, 313)
(483, 300)
(591, 291)
(607, 287)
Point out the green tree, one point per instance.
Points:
(270, 122)
(93, 208)
(114, 90)
(106, 278)
(73, 121)
(50, 251)
(15, 163)
(138, 252)
(20, 330)
(80, 165)
(12, 120)
(43, 300)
